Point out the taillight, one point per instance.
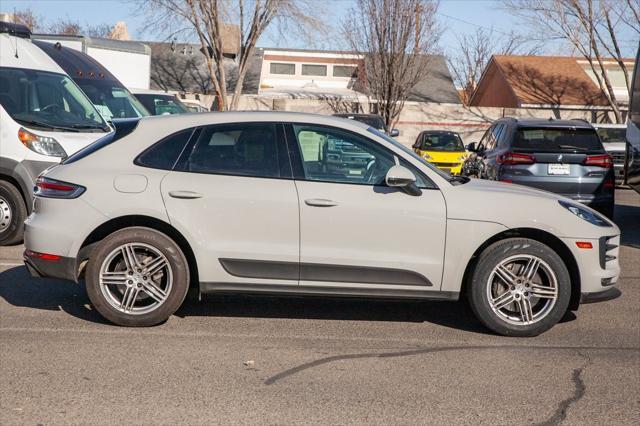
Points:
(50, 188)
(511, 158)
(603, 160)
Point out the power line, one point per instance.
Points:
(475, 25)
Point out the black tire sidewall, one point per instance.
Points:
(493, 255)
(161, 242)
(14, 233)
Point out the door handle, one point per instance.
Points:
(320, 202)
(185, 195)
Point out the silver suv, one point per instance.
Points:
(252, 202)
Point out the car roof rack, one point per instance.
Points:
(17, 30)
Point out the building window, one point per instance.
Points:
(344, 71)
(280, 68)
(320, 70)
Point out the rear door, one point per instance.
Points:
(232, 192)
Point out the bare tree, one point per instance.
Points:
(474, 52)
(28, 18)
(215, 21)
(395, 38)
(73, 27)
(591, 27)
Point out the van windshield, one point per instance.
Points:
(558, 140)
(111, 99)
(48, 101)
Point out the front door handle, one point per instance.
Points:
(185, 195)
(320, 202)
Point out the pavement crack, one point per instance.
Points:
(326, 360)
(578, 392)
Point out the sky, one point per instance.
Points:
(457, 18)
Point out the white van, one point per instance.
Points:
(44, 117)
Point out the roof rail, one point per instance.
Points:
(17, 30)
(581, 119)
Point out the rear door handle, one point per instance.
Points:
(185, 195)
(320, 202)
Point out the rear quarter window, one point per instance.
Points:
(165, 153)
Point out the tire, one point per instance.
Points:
(152, 292)
(13, 212)
(531, 305)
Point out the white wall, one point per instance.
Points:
(132, 69)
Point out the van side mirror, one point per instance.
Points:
(394, 132)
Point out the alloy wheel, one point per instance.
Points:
(136, 278)
(522, 289)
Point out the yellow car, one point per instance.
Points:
(443, 149)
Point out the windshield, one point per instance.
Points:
(47, 100)
(441, 141)
(158, 104)
(612, 135)
(111, 99)
(557, 140)
(397, 144)
(371, 120)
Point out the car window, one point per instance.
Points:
(557, 140)
(164, 154)
(332, 155)
(612, 134)
(441, 141)
(242, 149)
(485, 138)
(494, 136)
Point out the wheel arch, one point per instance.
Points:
(122, 222)
(538, 235)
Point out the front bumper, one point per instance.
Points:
(59, 267)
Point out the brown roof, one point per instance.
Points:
(554, 80)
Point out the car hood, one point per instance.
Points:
(443, 156)
(516, 206)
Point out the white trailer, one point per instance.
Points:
(128, 61)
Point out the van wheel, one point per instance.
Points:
(13, 213)
(137, 277)
(520, 287)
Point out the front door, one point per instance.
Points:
(356, 232)
(233, 194)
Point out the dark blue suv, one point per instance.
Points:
(561, 156)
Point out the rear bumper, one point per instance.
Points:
(63, 268)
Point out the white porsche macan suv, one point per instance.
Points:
(301, 204)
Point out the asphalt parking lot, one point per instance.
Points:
(233, 359)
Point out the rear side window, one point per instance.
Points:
(123, 128)
(557, 140)
(164, 154)
(241, 149)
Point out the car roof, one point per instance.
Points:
(357, 115)
(540, 122)
(204, 118)
(28, 55)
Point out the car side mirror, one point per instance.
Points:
(394, 132)
(401, 177)
(472, 147)
(416, 145)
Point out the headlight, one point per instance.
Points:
(44, 145)
(426, 156)
(462, 157)
(585, 214)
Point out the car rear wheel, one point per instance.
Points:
(137, 277)
(520, 287)
(13, 213)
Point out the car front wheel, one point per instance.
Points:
(137, 277)
(520, 287)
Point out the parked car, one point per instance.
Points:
(443, 149)
(109, 95)
(160, 103)
(614, 142)
(244, 202)
(632, 177)
(194, 105)
(372, 120)
(44, 117)
(561, 156)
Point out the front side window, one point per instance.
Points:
(242, 149)
(47, 100)
(332, 155)
(317, 70)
